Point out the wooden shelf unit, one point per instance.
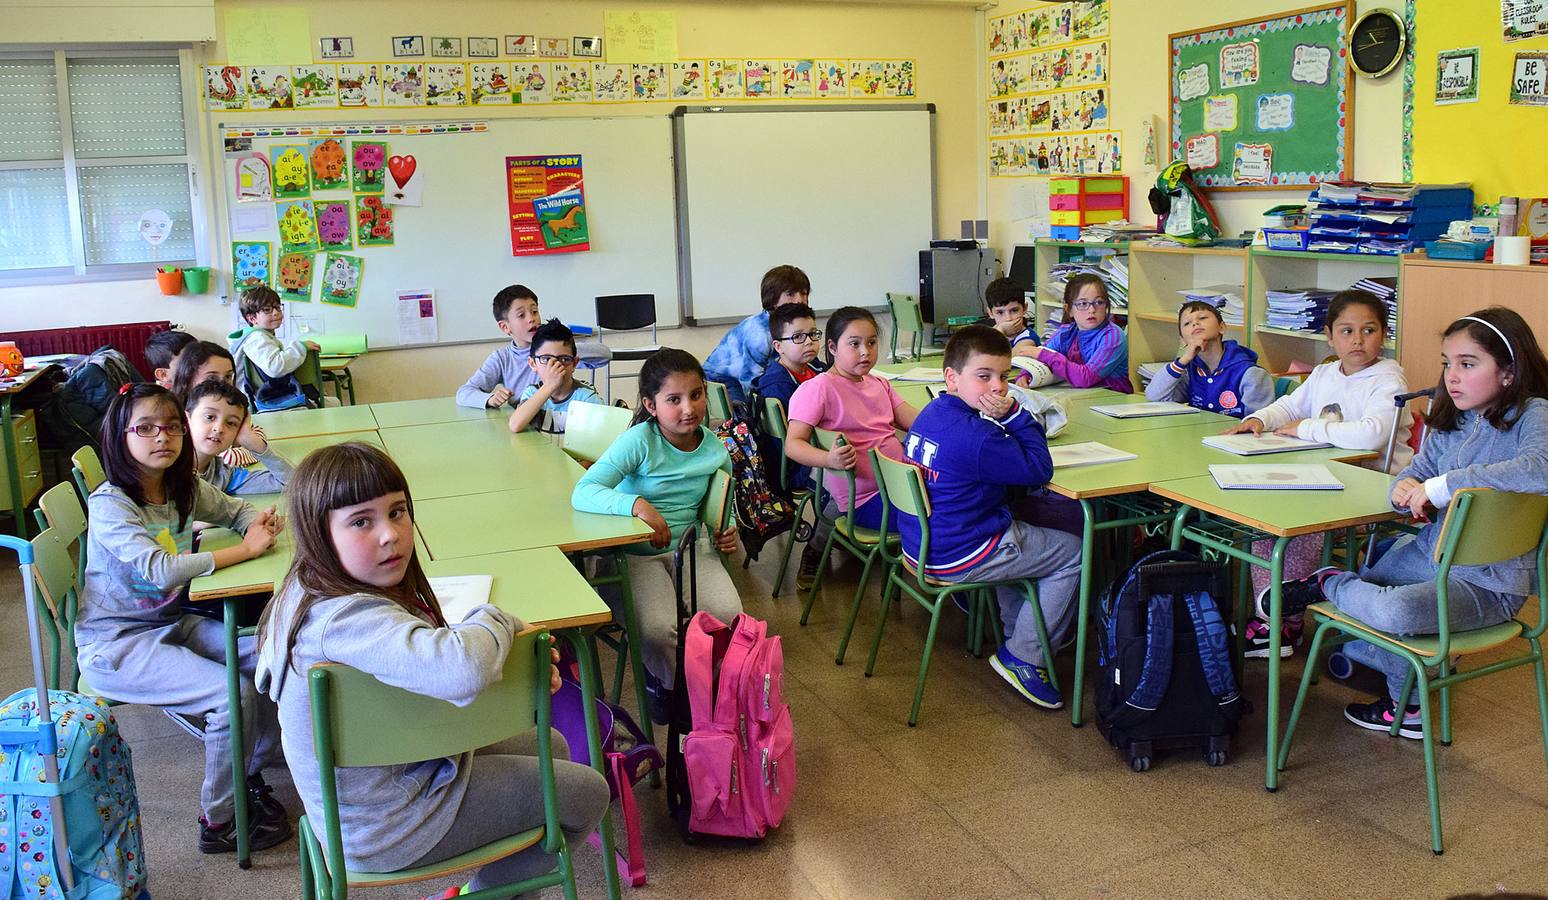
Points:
(1270, 270)
(1437, 292)
(1156, 274)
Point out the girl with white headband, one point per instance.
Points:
(1488, 429)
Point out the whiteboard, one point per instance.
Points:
(459, 242)
(846, 194)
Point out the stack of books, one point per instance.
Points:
(1116, 231)
(1386, 289)
(1147, 373)
(1225, 297)
(1112, 269)
(1298, 309)
(1377, 218)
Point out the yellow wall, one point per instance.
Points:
(1139, 92)
(1490, 143)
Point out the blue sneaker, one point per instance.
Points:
(1030, 681)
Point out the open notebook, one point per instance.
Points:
(1143, 410)
(1249, 444)
(1269, 477)
(459, 594)
(1086, 453)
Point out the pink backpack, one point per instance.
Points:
(733, 772)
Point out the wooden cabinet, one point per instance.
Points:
(28, 466)
(1156, 274)
(1437, 292)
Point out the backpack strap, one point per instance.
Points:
(746, 633)
(1210, 630)
(699, 667)
(1157, 673)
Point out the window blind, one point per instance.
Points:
(112, 200)
(34, 219)
(126, 106)
(29, 107)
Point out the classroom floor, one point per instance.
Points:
(989, 797)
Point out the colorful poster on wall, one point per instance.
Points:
(403, 84)
(1522, 19)
(547, 205)
(491, 84)
(686, 80)
(360, 86)
(650, 81)
(898, 78)
(268, 87)
(224, 88)
(373, 222)
(1456, 76)
(333, 225)
(292, 172)
(725, 79)
(866, 77)
(758, 78)
(254, 184)
(795, 78)
(532, 82)
(1253, 164)
(294, 280)
(572, 82)
(341, 278)
(446, 84)
(315, 87)
(609, 82)
(297, 226)
(1529, 80)
(832, 78)
(330, 170)
(249, 263)
(368, 159)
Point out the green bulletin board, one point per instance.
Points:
(1265, 103)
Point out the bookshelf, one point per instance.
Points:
(1437, 292)
(1049, 253)
(1270, 270)
(1156, 274)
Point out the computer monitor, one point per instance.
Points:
(1021, 267)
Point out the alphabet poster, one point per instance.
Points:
(547, 205)
(341, 276)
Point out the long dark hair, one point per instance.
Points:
(1528, 370)
(330, 478)
(653, 375)
(120, 465)
(191, 360)
(839, 322)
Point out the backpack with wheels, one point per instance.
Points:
(1164, 646)
(69, 814)
(731, 743)
(762, 514)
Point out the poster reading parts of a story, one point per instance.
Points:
(547, 205)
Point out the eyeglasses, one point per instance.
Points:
(563, 359)
(1088, 304)
(150, 429)
(801, 337)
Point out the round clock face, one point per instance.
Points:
(1376, 42)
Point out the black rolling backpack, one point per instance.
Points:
(1164, 647)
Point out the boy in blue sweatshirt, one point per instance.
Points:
(796, 339)
(1212, 373)
(971, 443)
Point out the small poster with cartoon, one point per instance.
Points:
(1090, 19)
(757, 78)
(360, 86)
(650, 81)
(292, 172)
(899, 78)
(253, 181)
(686, 81)
(403, 84)
(532, 82)
(297, 225)
(330, 171)
(832, 78)
(1061, 67)
(249, 263)
(490, 84)
(334, 231)
(795, 78)
(446, 84)
(1060, 26)
(368, 161)
(572, 82)
(1036, 26)
(341, 277)
(725, 78)
(1040, 71)
(294, 279)
(610, 82)
(315, 87)
(373, 222)
(268, 87)
(224, 88)
(865, 77)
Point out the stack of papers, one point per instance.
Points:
(1225, 297)
(1086, 453)
(1275, 478)
(1298, 309)
(1143, 410)
(1385, 289)
(1113, 270)
(1249, 444)
(925, 374)
(1116, 231)
(461, 594)
(1147, 372)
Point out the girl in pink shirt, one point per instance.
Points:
(848, 399)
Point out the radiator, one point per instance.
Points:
(128, 339)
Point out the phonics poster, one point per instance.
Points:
(547, 205)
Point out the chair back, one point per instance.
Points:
(901, 486)
(308, 374)
(719, 401)
(54, 574)
(591, 428)
(61, 509)
(88, 471)
(776, 425)
(1484, 526)
(625, 312)
(905, 311)
(824, 440)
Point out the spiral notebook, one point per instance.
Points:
(1086, 453)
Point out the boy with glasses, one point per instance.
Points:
(546, 405)
(795, 338)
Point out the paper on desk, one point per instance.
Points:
(924, 374)
(460, 594)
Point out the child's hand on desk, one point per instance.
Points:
(499, 397)
(1253, 425)
(662, 533)
(1409, 494)
(725, 541)
(1290, 429)
(258, 539)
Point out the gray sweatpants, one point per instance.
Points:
(505, 797)
(655, 599)
(1050, 557)
(1397, 595)
(182, 667)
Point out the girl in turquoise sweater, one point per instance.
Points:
(660, 470)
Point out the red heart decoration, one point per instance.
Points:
(402, 169)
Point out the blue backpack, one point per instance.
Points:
(1164, 647)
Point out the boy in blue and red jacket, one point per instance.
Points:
(794, 334)
(971, 444)
(1212, 373)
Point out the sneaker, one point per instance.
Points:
(261, 802)
(1029, 681)
(1377, 716)
(1258, 638)
(658, 700)
(262, 833)
(1295, 596)
(811, 557)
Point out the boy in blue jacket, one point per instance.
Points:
(971, 443)
(1212, 373)
(794, 334)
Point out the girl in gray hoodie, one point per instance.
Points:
(1488, 428)
(356, 595)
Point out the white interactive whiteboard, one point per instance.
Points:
(846, 194)
(459, 241)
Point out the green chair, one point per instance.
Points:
(591, 428)
(1481, 527)
(60, 509)
(719, 401)
(87, 469)
(358, 721)
(54, 574)
(864, 543)
(907, 317)
(776, 424)
(309, 374)
(903, 491)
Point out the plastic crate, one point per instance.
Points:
(1469, 250)
(1065, 232)
(1079, 217)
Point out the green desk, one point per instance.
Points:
(1237, 518)
(538, 586)
(295, 449)
(434, 412)
(455, 458)
(292, 423)
(541, 516)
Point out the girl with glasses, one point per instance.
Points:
(1089, 349)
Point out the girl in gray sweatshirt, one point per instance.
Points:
(356, 595)
(1488, 428)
